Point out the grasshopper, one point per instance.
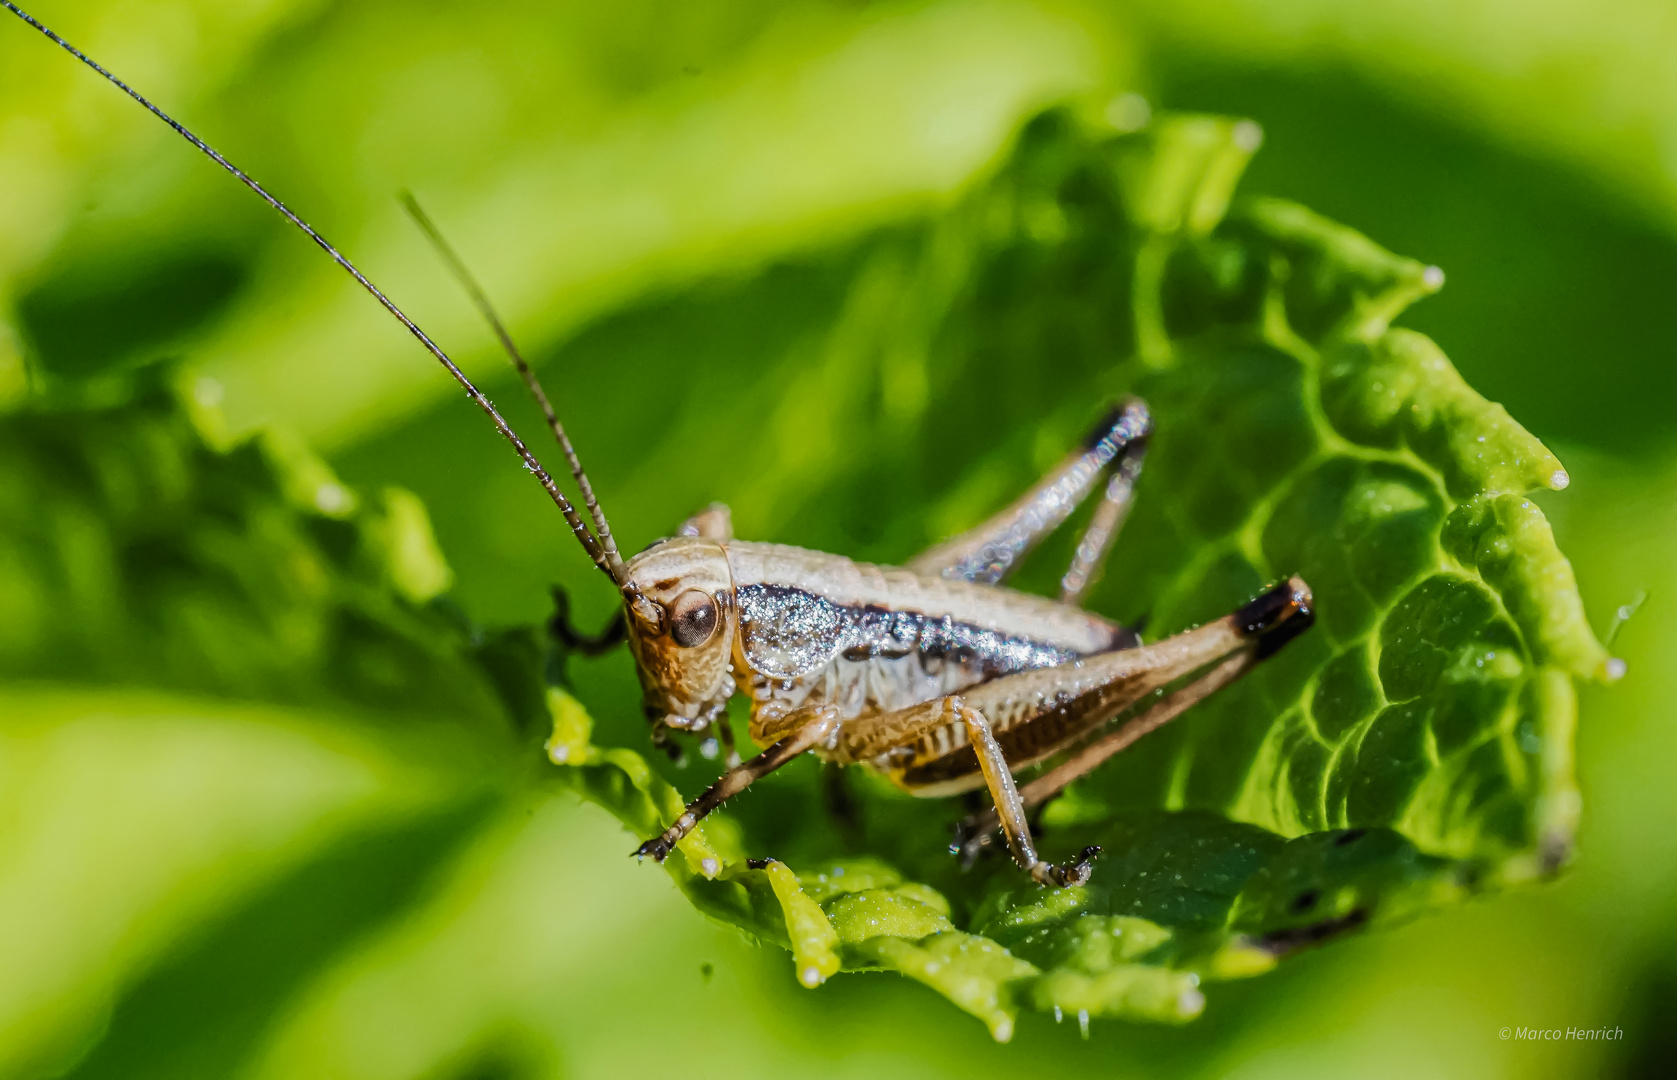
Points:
(934, 674)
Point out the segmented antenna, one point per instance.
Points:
(464, 275)
(613, 565)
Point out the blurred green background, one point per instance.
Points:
(652, 192)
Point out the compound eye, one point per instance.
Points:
(692, 618)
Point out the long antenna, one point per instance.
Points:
(464, 275)
(596, 551)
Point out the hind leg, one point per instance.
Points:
(948, 745)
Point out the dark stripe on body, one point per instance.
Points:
(791, 633)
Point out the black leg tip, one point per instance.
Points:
(1070, 874)
(1078, 872)
(658, 849)
(1278, 616)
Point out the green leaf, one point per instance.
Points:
(1413, 749)
(1435, 695)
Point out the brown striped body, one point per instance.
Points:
(937, 675)
(810, 629)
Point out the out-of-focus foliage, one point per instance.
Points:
(149, 580)
(314, 883)
(1586, 83)
(137, 554)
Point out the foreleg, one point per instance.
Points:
(810, 729)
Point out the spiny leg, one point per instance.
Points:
(1038, 713)
(1034, 715)
(1080, 764)
(1261, 627)
(1010, 811)
(973, 833)
(820, 723)
(951, 722)
(988, 553)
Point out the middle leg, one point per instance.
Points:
(1010, 809)
(951, 723)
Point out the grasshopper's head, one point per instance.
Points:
(681, 629)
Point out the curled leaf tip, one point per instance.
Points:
(812, 937)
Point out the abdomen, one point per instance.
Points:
(817, 628)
